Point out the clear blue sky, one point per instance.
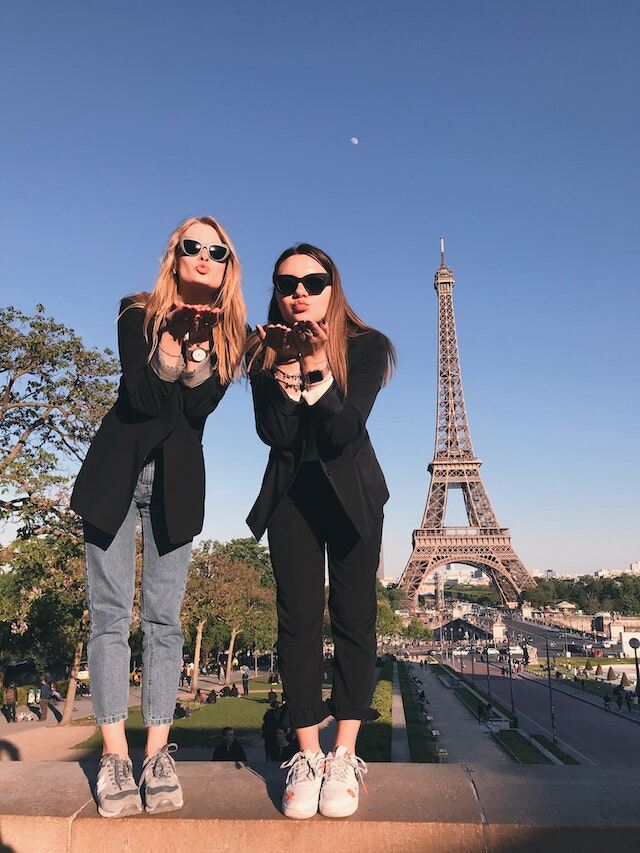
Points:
(512, 128)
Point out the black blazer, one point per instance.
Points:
(343, 444)
(149, 413)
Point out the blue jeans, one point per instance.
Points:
(110, 563)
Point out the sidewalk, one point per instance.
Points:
(399, 739)
(460, 734)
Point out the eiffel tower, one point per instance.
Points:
(483, 544)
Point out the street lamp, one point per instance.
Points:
(634, 642)
(513, 710)
(473, 654)
(553, 713)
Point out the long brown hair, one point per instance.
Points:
(230, 333)
(342, 321)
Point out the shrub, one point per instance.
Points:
(624, 681)
(589, 665)
(599, 670)
(611, 674)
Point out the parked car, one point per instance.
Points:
(461, 650)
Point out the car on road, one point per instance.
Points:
(460, 651)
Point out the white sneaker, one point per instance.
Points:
(343, 772)
(302, 786)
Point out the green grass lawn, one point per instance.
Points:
(519, 747)
(374, 740)
(555, 749)
(591, 685)
(421, 748)
(203, 727)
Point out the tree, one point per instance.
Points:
(247, 551)
(230, 592)
(416, 631)
(388, 623)
(45, 598)
(53, 393)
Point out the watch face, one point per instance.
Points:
(198, 354)
(314, 376)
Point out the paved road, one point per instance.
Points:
(601, 738)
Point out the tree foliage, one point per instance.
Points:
(388, 623)
(231, 593)
(53, 393)
(614, 595)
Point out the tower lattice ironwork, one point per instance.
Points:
(483, 543)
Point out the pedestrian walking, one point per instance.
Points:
(45, 697)
(316, 369)
(11, 701)
(607, 702)
(245, 683)
(180, 348)
(619, 700)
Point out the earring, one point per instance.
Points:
(173, 270)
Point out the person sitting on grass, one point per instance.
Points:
(199, 697)
(180, 713)
(229, 749)
(234, 690)
(212, 698)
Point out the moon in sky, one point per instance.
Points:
(354, 140)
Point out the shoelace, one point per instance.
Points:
(338, 766)
(119, 769)
(162, 763)
(301, 768)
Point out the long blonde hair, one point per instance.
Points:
(229, 333)
(341, 319)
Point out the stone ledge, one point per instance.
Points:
(410, 807)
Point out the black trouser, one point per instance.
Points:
(308, 522)
(11, 708)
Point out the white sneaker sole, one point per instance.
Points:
(298, 814)
(164, 806)
(338, 811)
(126, 811)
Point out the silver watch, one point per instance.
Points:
(198, 354)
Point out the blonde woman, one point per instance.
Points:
(315, 374)
(180, 347)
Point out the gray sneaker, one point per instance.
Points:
(159, 783)
(116, 791)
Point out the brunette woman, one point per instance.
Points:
(180, 347)
(315, 374)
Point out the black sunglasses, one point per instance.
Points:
(193, 247)
(314, 283)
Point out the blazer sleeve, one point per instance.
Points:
(200, 400)
(147, 393)
(277, 416)
(340, 419)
